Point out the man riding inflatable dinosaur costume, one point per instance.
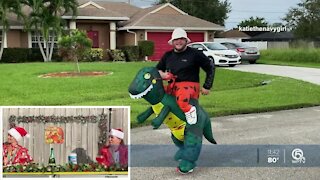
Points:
(188, 137)
(180, 111)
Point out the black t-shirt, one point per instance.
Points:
(186, 66)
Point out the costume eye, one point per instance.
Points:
(147, 76)
(154, 81)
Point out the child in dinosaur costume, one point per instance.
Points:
(188, 137)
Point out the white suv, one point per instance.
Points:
(218, 53)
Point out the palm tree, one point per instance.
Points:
(45, 19)
(7, 8)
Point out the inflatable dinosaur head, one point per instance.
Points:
(148, 85)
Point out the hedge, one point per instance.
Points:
(131, 53)
(21, 55)
(93, 54)
(116, 55)
(146, 48)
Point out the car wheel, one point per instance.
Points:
(232, 65)
(252, 61)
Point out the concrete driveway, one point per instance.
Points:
(299, 126)
(302, 73)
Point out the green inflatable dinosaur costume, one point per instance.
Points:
(148, 85)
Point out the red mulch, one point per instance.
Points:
(75, 74)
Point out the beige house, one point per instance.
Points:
(111, 25)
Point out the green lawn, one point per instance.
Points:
(307, 57)
(234, 92)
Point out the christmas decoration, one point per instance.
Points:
(57, 119)
(101, 119)
(54, 135)
(93, 167)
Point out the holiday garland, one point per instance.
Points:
(102, 120)
(57, 119)
(92, 167)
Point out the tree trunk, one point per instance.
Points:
(41, 48)
(47, 50)
(1, 51)
(77, 64)
(51, 48)
(2, 44)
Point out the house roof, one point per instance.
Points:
(269, 36)
(97, 14)
(122, 8)
(102, 10)
(158, 17)
(13, 22)
(234, 33)
(154, 18)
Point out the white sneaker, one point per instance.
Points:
(191, 115)
(178, 170)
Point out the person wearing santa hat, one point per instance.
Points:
(115, 152)
(13, 153)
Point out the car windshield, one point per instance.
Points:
(215, 46)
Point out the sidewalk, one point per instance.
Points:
(311, 75)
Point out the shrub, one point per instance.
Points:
(35, 55)
(21, 55)
(93, 54)
(73, 46)
(64, 53)
(117, 55)
(146, 48)
(15, 55)
(131, 52)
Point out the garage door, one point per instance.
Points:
(161, 39)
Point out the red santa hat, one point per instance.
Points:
(18, 133)
(117, 133)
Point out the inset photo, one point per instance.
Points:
(66, 142)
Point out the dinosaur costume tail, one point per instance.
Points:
(207, 132)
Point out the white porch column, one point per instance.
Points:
(146, 38)
(113, 40)
(72, 24)
(5, 43)
(206, 36)
(29, 40)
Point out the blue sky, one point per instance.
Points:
(271, 10)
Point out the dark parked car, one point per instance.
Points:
(246, 52)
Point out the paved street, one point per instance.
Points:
(290, 127)
(302, 73)
(300, 126)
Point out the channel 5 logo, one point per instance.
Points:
(297, 156)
